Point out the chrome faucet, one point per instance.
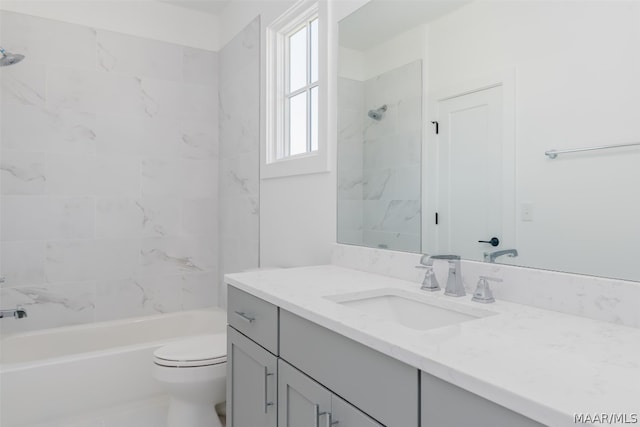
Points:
(454, 287)
(18, 313)
(491, 256)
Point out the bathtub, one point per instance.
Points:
(61, 372)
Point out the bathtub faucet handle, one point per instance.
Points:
(18, 313)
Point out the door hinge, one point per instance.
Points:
(437, 127)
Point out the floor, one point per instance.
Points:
(146, 413)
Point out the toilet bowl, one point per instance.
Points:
(193, 372)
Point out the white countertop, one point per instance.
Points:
(542, 364)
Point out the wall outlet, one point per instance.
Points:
(527, 212)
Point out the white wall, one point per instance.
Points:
(238, 14)
(577, 67)
(363, 65)
(143, 18)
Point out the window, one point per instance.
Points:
(301, 91)
(295, 93)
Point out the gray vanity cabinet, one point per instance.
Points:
(445, 405)
(252, 393)
(302, 402)
(286, 371)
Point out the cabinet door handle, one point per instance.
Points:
(267, 374)
(316, 413)
(245, 317)
(329, 419)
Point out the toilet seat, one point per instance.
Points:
(203, 350)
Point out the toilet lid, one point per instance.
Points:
(202, 350)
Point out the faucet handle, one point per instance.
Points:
(425, 261)
(20, 312)
(430, 282)
(483, 293)
(494, 241)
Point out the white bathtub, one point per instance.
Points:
(62, 372)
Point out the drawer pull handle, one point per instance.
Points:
(245, 317)
(266, 392)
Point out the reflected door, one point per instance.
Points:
(470, 200)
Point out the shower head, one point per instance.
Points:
(9, 58)
(378, 113)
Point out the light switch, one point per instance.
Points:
(527, 212)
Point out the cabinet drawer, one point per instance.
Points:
(379, 385)
(254, 317)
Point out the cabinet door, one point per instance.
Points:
(251, 383)
(301, 401)
(445, 405)
(345, 415)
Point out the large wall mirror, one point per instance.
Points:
(462, 128)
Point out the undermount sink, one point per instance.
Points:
(408, 309)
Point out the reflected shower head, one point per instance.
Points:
(377, 114)
(9, 58)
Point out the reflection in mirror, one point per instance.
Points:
(504, 82)
(379, 160)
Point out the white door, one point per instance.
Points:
(470, 173)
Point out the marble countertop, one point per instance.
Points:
(543, 364)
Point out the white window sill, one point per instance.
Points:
(301, 164)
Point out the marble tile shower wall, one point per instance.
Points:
(351, 116)
(391, 160)
(109, 179)
(240, 152)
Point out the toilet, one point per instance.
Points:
(193, 372)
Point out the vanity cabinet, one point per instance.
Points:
(445, 405)
(252, 391)
(302, 402)
(286, 371)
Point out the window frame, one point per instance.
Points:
(274, 163)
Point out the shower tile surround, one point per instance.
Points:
(610, 300)
(109, 175)
(240, 153)
(379, 161)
